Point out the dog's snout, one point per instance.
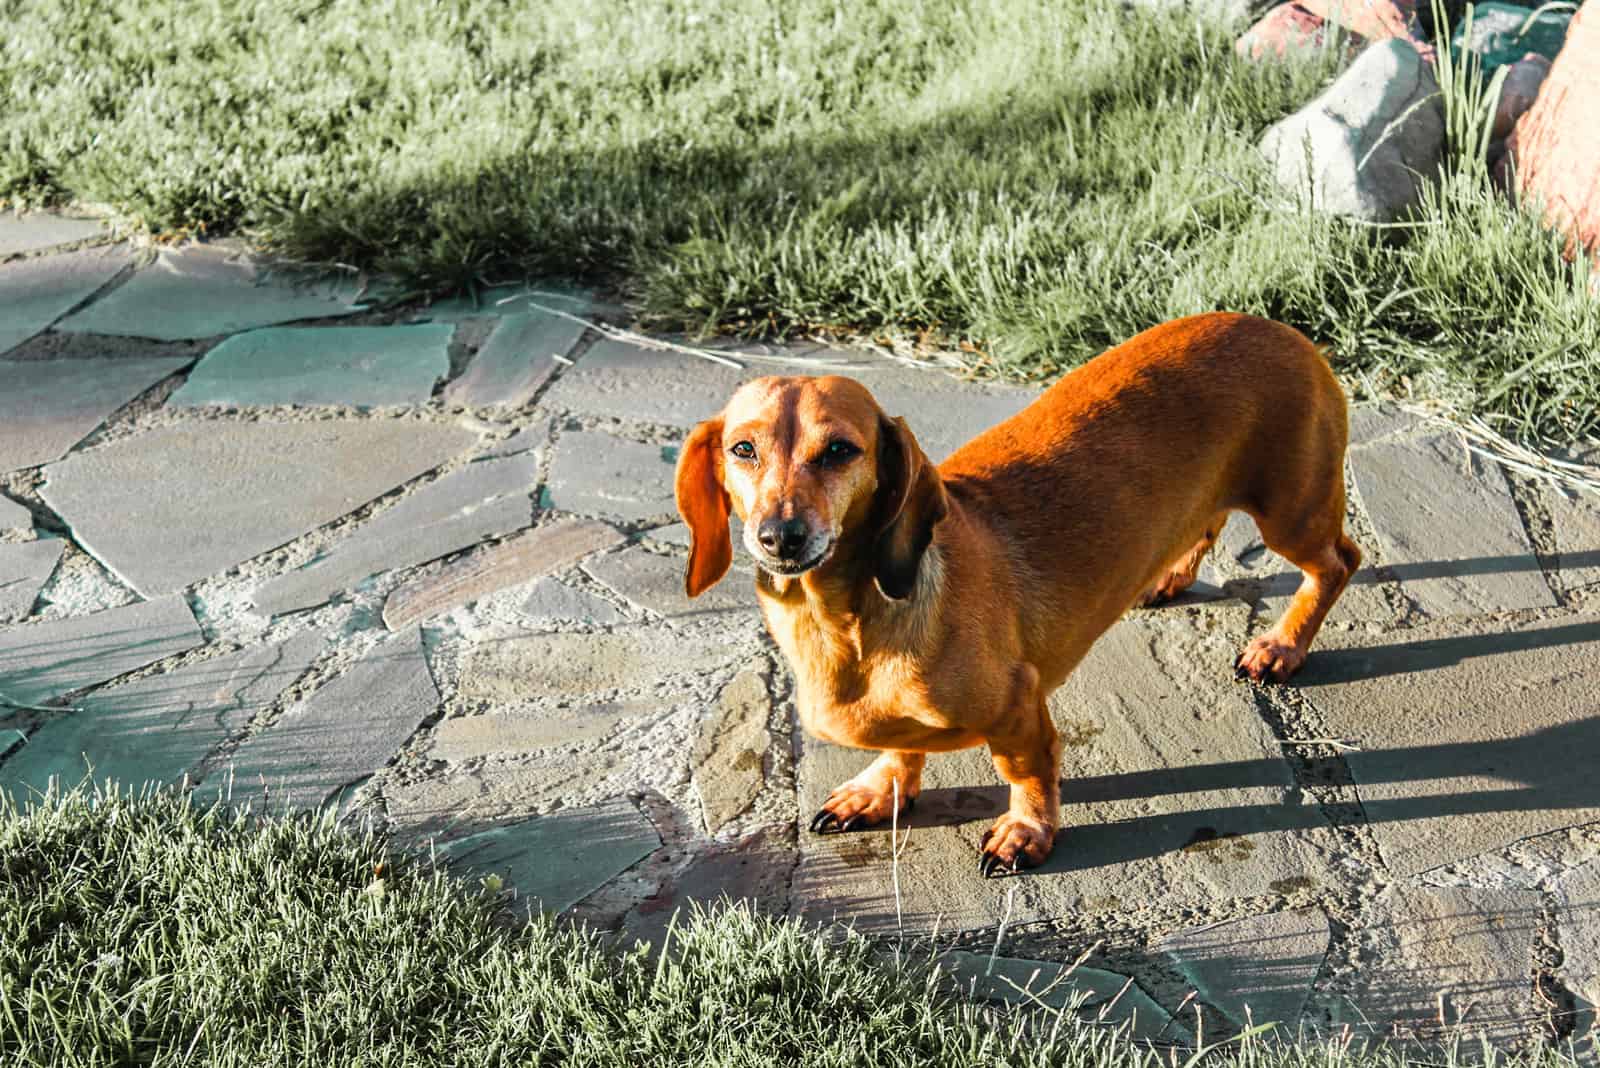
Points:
(783, 538)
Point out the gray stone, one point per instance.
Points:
(206, 290)
(752, 870)
(530, 439)
(550, 600)
(1575, 525)
(1472, 735)
(480, 500)
(516, 361)
(460, 798)
(14, 516)
(540, 551)
(47, 406)
(1174, 792)
(1449, 528)
(1093, 993)
(24, 568)
(41, 230)
(1460, 953)
(1374, 422)
(729, 758)
(35, 293)
(556, 861)
(1269, 582)
(597, 474)
(44, 660)
(159, 729)
(653, 581)
(583, 665)
(498, 734)
(360, 366)
(1370, 143)
(341, 734)
(1577, 896)
(617, 379)
(1257, 970)
(176, 504)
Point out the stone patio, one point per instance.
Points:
(422, 566)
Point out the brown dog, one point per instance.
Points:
(929, 609)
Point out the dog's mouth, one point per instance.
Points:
(791, 568)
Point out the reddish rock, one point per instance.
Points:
(1375, 20)
(1286, 29)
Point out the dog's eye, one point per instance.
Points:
(744, 450)
(838, 451)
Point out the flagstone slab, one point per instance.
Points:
(521, 354)
(1175, 792)
(205, 290)
(1471, 734)
(44, 660)
(24, 569)
(531, 439)
(160, 728)
(358, 366)
(752, 870)
(595, 473)
(1449, 528)
(37, 231)
(1257, 970)
(1102, 996)
(1577, 896)
(555, 666)
(1271, 581)
(14, 516)
(47, 406)
(547, 548)
(168, 507)
(460, 739)
(552, 601)
(555, 861)
(651, 580)
(1575, 525)
(348, 729)
(34, 293)
(481, 500)
(730, 755)
(1461, 953)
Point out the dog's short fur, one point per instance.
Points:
(929, 609)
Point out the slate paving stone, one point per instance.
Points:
(14, 516)
(34, 293)
(1374, 422)
(47, 406)
(205, 290)
(753, 869)
(651, 580)
(595, 473)
(730, 755)
(1575, 524)
(323, 747)
(44, 660)
(1270, 581)
(168, 507)
(1577, 896)
(532, 439)
(1102, 996)
(1464, 952)
(38, 231)
(159, 729)
(483, 499)
(1174, 791)
(358, 366)
(549, 666)
(24, 569)
(1449, 528)
(500, 734)
(552, 601)
(463, 799)
(547, 548)
(1472, 734)
(556, 861)
(521, 354)
(1257, 970)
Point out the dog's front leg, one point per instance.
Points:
(869, 798)
(1027, 754)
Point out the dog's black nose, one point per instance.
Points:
(783, 538)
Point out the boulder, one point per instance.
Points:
(1502, 34)
(1375, 20)
(1286, 30)
(1518, 92)
(1367, 145)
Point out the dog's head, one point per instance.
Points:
(815, 469)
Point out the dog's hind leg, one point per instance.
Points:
(1181, 575)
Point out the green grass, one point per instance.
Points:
(1038, 181)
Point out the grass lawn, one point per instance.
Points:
(1037, 181)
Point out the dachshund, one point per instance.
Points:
(926, 609)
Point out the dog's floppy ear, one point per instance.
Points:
(703, 503)
(911, 499)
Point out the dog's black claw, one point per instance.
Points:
(823, 821)
(849, 823)
(991, 865)
(984, 839)
(1239, 671)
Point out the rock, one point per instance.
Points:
(24, 569)
(159, 729)
(1498, 38)
(480, 500)
(205, 290)
(754, 870)
(1288, 29)
(1269, 582)
(597, 474)
(540, 551)
(14, 516)
(583, 665)
(1555, 146)
(1577, 896)
(1518, 92)
(360, 366)
(1448, 527)
(551, 601)
(350, 727)
(1470, 732)
(47, 406)
(1099, 995)
(1376, 20)
(730, 757)
(516, 361)
(1575, 525)
(1257, 970)
(463, 738)
(35, 293)
(530, 439)
(176, 504)
(1367, 145)
(44, 660)
(41, 230)
(461, 798)
(1374, 422)
(651, 580)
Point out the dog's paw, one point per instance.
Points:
(853, 805)
(1268, 659)
(1014, 843)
